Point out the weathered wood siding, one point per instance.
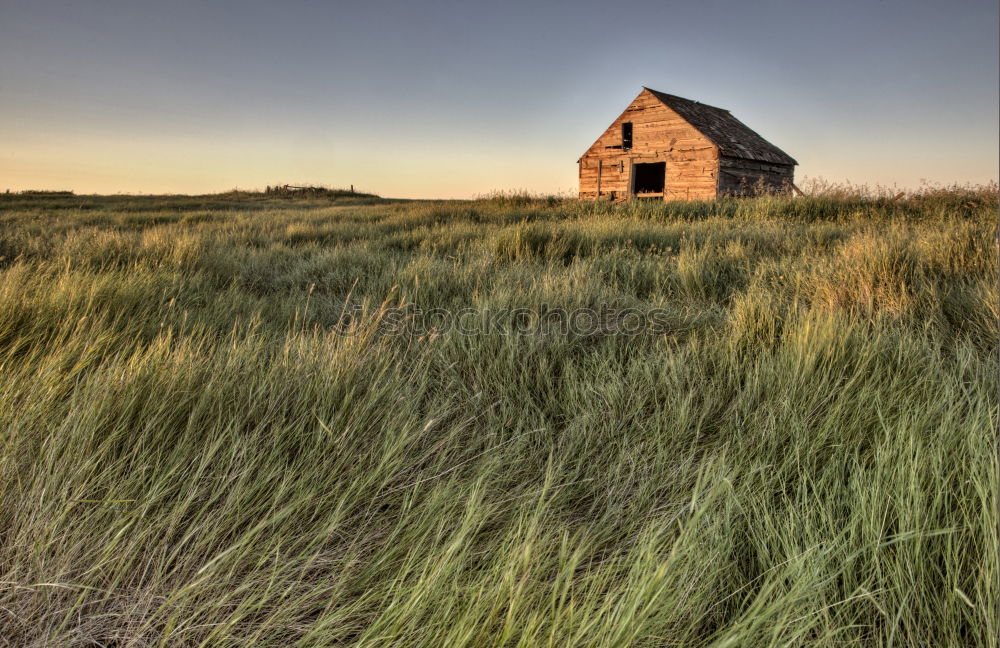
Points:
(658, 135)
(741, 177)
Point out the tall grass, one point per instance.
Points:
(197, 449)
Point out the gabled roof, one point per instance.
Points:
(733, 137)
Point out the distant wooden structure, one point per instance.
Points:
(307, 190)
(665, 147)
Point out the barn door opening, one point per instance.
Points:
(649, 179)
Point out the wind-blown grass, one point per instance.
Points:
(194, 452)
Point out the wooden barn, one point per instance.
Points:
(669, 148)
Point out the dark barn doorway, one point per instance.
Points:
(649, 177)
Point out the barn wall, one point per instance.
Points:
(658, 134)
(740, 177)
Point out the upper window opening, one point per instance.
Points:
(626, 135)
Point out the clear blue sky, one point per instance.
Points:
(453, 99)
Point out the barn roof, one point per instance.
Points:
(733, 137)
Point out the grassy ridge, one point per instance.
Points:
(194, 451)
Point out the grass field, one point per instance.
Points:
(232, 421)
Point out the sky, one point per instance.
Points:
(451, 99)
